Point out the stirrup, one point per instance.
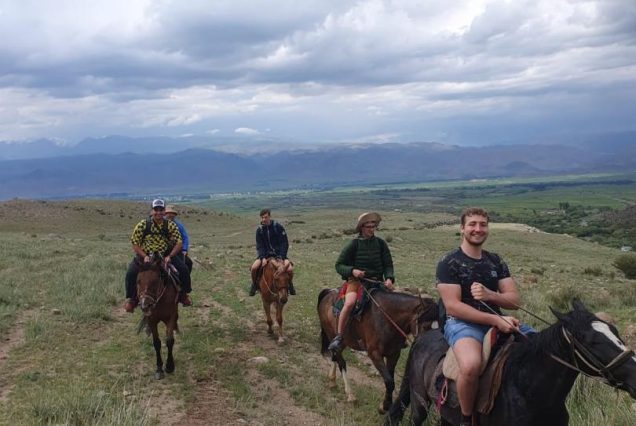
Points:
(336, 343)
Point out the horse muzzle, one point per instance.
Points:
(147, 304)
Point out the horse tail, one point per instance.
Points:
(403, 399)
(324, 341)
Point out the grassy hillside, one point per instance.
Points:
(69, 355)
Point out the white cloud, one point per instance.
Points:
(246, 131)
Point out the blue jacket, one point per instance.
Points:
(184, 236)
(271, 240)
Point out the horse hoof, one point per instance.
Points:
(352, 399)
(331, 384)
(170, 369)
(270, 331)
(159, 375)
(281, 340)
(381, 410)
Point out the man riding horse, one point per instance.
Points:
(271, 241)
(365, 257)
(156, 234)
(474, 284)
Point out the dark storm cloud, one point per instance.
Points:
(404, 67)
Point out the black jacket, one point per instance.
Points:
(271, 241)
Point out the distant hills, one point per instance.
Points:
(120, 166)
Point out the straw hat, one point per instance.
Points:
(170, 209)
(368, 217)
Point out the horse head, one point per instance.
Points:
(598, 349)
(150, 282)
(277, 278)
(427, 314)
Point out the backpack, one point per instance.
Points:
(147, 229)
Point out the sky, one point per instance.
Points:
(463, 72)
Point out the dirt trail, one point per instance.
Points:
(13, 338)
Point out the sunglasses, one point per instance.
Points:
(158, 209)
(369, 226)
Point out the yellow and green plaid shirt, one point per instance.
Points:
(155, 241)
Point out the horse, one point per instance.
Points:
(274, 288)
(382, 331)
(537, 377)
(158, 296)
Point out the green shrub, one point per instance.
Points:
(593, 270)
(627, 264)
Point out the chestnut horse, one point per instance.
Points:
(379, 331)
(158, 295)
(274, 287)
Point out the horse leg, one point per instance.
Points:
(342, 365)
(156, 342)
(389, 383)
(279, 320)
(391, 362)
(332, 375)
(170, 343)
(268, 316)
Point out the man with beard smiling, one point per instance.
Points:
(474, 284)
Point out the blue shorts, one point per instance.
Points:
(455, 329)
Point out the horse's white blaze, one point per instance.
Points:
(604, 329)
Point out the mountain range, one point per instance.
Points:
(121, 167)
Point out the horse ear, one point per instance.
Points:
(578, 305)
(559, 315)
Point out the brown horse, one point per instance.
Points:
(274, 287)
(158, 295)
(379, 331)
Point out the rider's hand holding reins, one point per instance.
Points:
(358, 273)
(507, 324)
(480, 292)
(388, 284)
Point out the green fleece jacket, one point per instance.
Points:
(371, 255)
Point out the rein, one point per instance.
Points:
(375, 302)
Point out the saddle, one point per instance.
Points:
(496, 348)
(362, 300)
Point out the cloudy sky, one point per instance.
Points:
(476, 72)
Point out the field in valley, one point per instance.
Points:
(69, 355)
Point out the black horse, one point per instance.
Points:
(378, 332)
(537, 377)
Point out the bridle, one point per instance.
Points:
(272, 287)
(582, 356)
(154, 299)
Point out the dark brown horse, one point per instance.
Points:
(376, 333)
(158, 295)
(274, 287)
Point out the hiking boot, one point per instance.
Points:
(253, 289)
(185, 300)
(130, 304)
(336, 344)
(292, 290)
